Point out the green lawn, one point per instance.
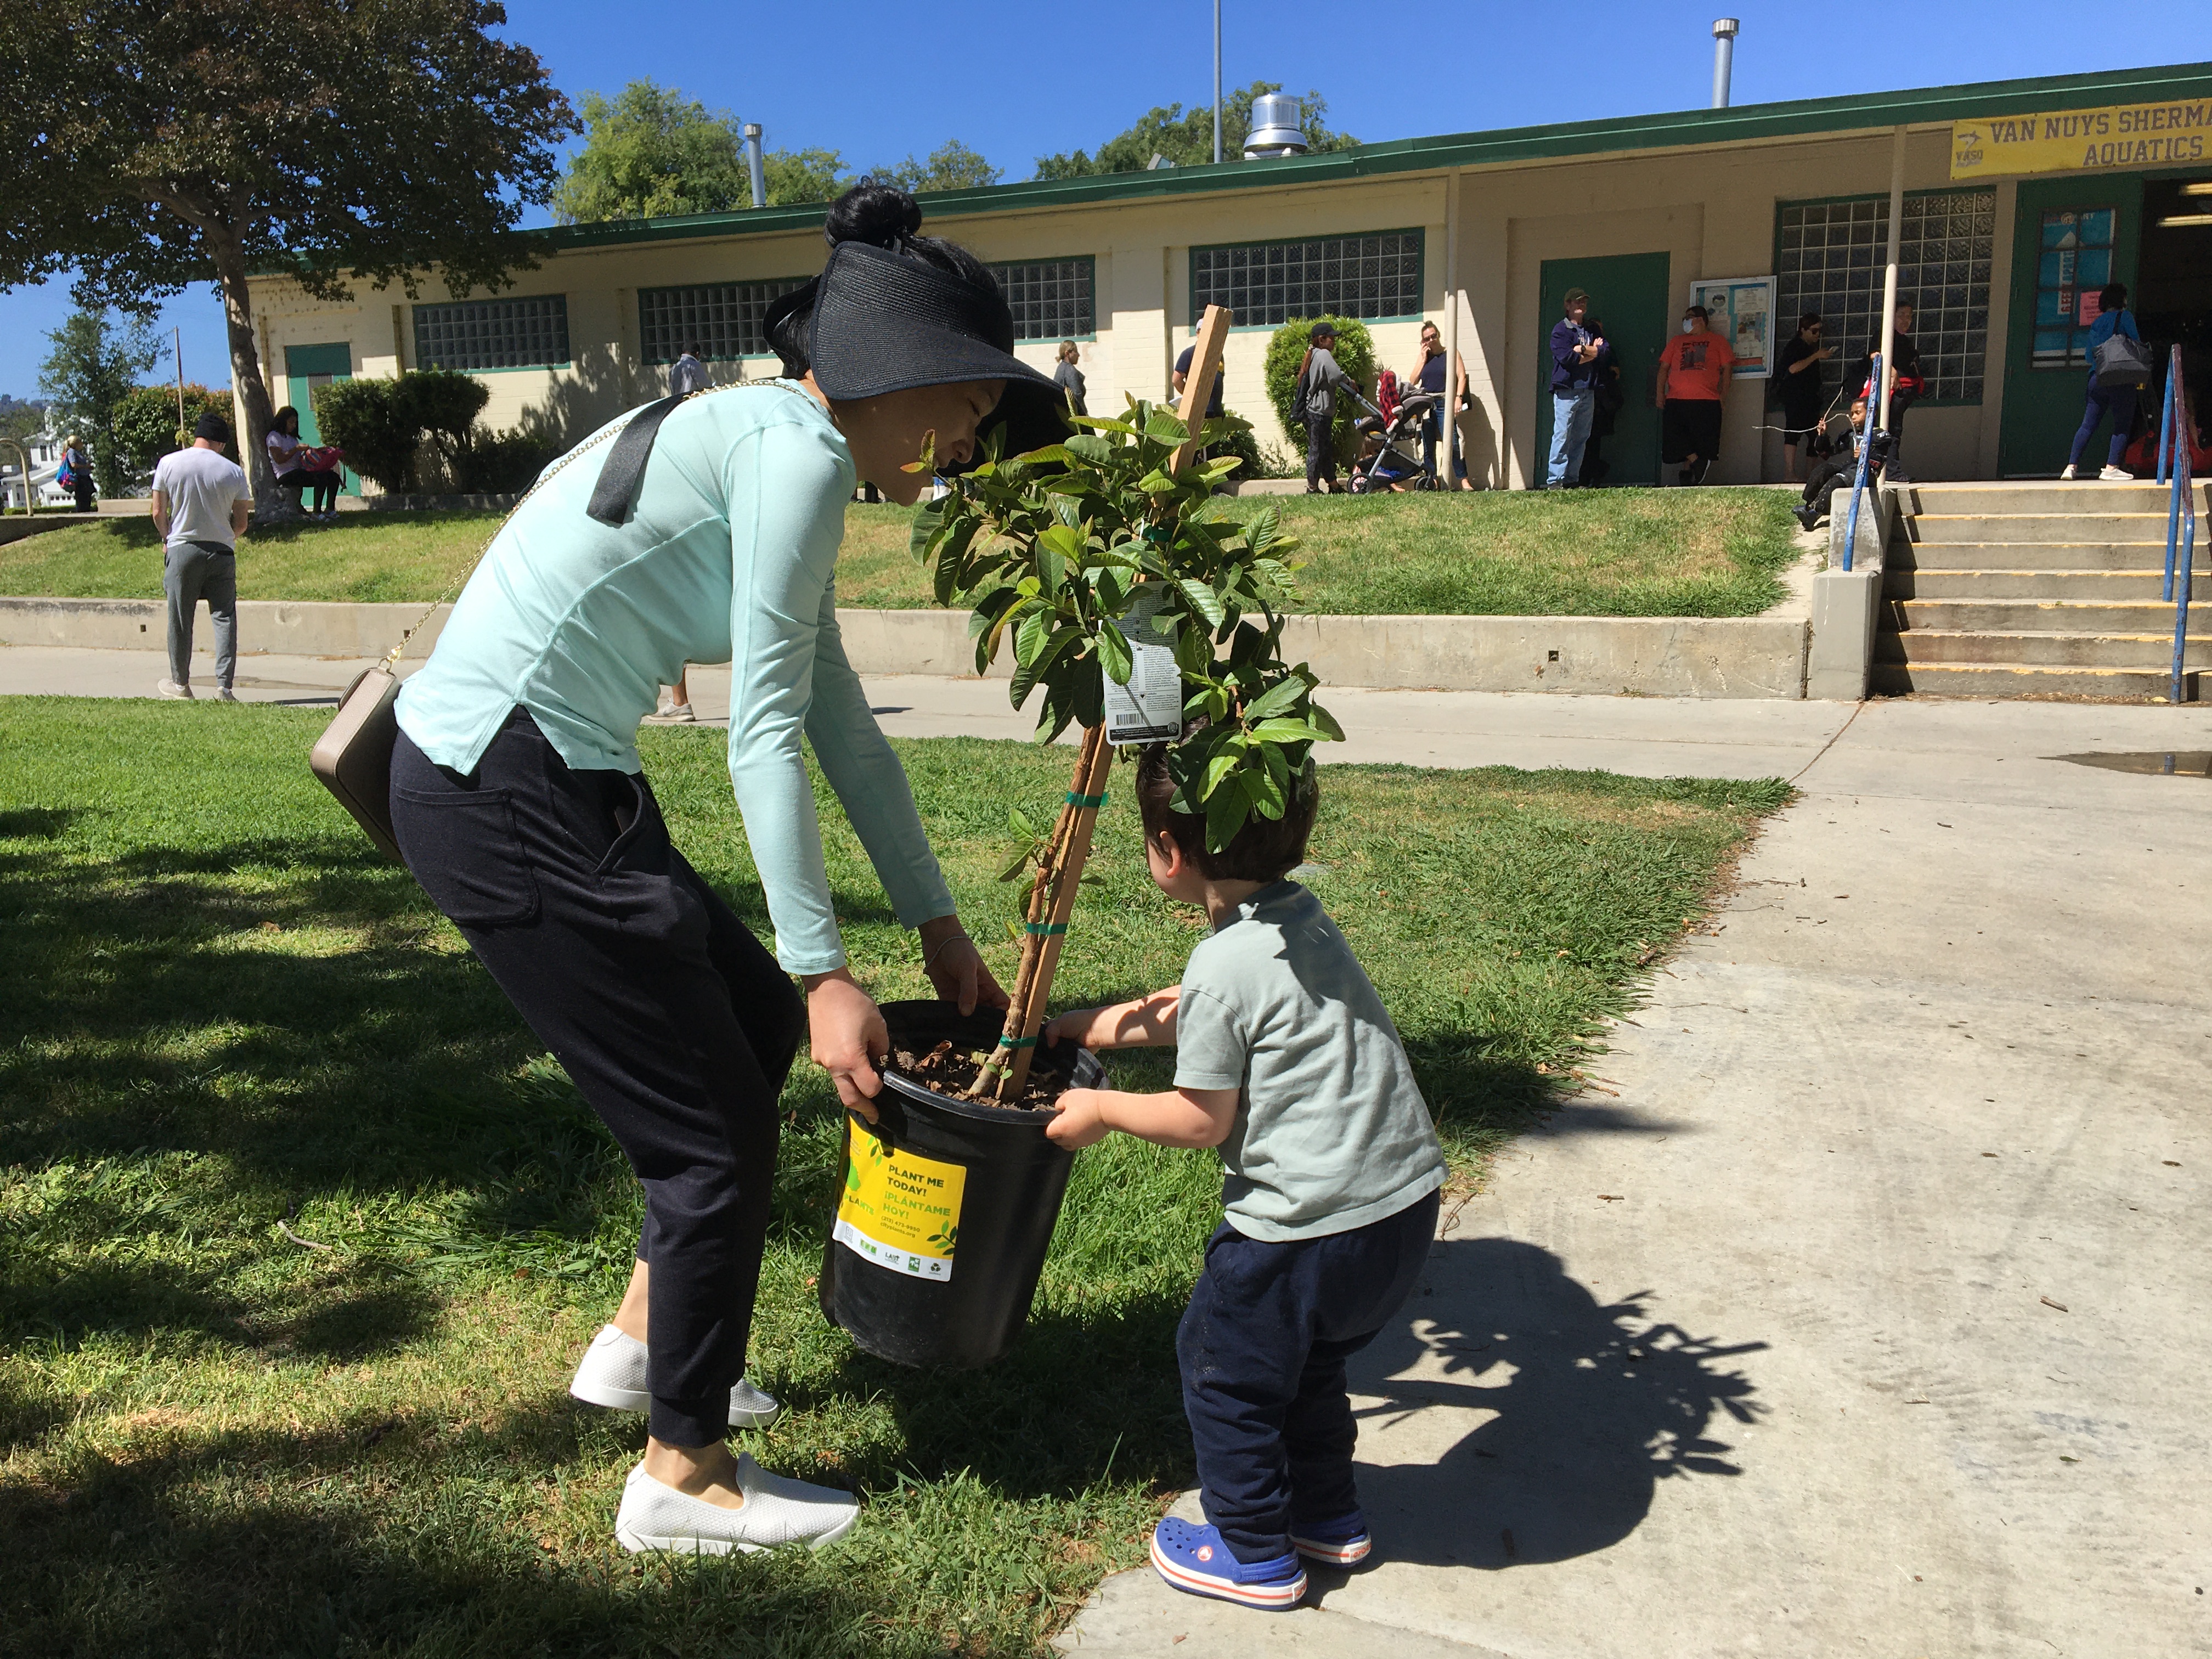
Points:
(221, 1015)
(1598, 553)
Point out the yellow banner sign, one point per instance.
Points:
(900, 1210)
(2123, 136)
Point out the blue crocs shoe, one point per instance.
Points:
(1195, 1560)
(1342, 1542)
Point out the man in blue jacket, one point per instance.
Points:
(1574, 390)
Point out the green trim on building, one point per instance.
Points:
(1739, 123)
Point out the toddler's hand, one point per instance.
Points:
(1079, 1122)
(1073, 1026)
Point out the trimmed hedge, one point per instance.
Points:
(1355, 356)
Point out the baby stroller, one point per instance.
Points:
(1390, 450)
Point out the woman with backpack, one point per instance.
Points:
(1315, 402)
(2120, 402)
(75, 472)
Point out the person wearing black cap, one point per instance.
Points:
(1315, 400)
(706, 528)
(201, 504)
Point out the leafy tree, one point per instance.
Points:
(152, 146)
(950, 165)
(1354, 354)
(22, 418)
(1070, 555)
(95, 364)
(794, 176)
(1186, 137)
(649, 152)
(147, 427)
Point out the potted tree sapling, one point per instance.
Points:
(1137, 608)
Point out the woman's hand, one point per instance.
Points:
(848, 1036)
(1078, 1122)
(955, 968)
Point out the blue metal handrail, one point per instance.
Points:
(1859, 477)
(2176, 435)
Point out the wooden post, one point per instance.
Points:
(1198, 385)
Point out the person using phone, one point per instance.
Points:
(1574, 391)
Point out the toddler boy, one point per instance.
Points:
(1287, 1061)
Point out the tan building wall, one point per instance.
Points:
(1711, 209)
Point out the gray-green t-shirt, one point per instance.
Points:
(1332, 1132)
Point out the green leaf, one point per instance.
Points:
(1327, 721)
(1015, 868)
(1203, 599)
(1114, 654)
(1166, 428)
(1283, 695)
(1029, 638)
(1267, 797)
(927, 519)
(1288, 730)
(1227, 811)
(1019, 821)
(1096, 451)
(1157, 483)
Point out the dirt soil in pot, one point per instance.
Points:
(952, 1069)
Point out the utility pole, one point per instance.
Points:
(1217, 82)
(1724, 30)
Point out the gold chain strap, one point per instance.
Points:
(392, 658)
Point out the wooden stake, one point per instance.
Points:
(1198, 385)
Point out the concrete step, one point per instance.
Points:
(2104, 586)
(1988, 680)
(2083, 495)
(2051, 650)
(2035, 616)
(2038, 555)
(2146, 526)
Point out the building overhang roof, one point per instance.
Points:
(1696, 129)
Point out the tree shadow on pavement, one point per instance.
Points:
(1561, 1413)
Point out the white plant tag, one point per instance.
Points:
(1150, 707)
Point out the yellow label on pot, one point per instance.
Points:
(899, 1211)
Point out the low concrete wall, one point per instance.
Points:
(1667, 656)
(1847, 603)
(289, 627)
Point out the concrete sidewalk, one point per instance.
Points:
(1861, 1309)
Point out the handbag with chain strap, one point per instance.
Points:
(353, 758)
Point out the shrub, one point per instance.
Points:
(1242, 443)
(1355, 355)
(368, 419)
(145, 425)
(443, 404)
(384, 425)
(503, 463)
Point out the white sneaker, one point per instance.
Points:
(2115, 475)
(612, 1374)
(224, 694)
(2068, 475)
(675, 714)
(171, 690)
(776, 1511)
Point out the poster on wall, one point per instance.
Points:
(1741, 308)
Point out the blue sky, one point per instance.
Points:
(878, 80)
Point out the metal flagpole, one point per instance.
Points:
(1217, 81)
(1889, 276)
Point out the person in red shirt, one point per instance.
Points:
(1694, 371)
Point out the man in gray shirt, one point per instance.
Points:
(201, 504)
(1287, 1062)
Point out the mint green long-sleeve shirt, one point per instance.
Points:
(731, 555)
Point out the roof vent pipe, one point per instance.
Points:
(1275, 128)
(754, 165)
(1724, 30)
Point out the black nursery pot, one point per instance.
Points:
(945, 1208)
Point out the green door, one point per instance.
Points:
(306, 368)
(1629, 294)
(2073, 236)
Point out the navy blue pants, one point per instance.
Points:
(674, 1023)
(1262, 1348)
(2118, 402)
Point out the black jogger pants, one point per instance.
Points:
(674, 1023)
